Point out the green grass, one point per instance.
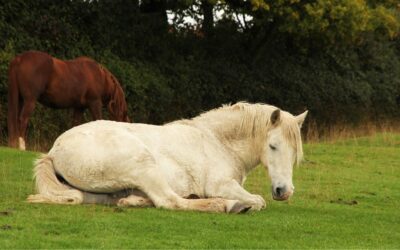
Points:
(347, 196)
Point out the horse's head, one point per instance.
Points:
(117, 106)
(281, 150)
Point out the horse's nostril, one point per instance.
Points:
(278, 191)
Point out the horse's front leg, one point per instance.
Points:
(231, 189)
(95, 108)
(150, 181)
(77, 116)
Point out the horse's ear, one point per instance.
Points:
(275, 117)
(300, 118)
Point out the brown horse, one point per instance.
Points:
(78, 84)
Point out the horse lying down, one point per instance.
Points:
(207, 157)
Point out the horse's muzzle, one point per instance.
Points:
(281, 193)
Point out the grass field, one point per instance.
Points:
(347, 196)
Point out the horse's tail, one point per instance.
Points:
(13, 103)
(49, 188)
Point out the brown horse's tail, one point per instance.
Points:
(13, 104)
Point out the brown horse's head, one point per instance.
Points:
(117, 105)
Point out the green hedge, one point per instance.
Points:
(169, 76)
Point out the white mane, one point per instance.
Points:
(247, 121)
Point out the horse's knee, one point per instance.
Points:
(27, 110)
(217, 205)
(237, 208)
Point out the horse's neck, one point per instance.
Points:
(245, 145)
(247, 151)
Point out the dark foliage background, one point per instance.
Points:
(170, 72)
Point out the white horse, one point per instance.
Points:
(207, 157)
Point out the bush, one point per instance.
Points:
(169, 75)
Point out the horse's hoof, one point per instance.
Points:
(239, 208)
(21, 144)
(123, 202)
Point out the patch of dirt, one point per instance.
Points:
(343, 202)
(52, 233)
(6, 227)
(5, 213)
(369, 193)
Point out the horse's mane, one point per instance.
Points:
(253, 121)
(117, 102)
(118, 94)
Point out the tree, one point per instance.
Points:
(326, 22)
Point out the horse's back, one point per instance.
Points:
(31, 60)
(98, 136)
(33, 70)
(109, 137)
(83, 59)
(74, 83)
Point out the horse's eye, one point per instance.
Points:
(272, 147)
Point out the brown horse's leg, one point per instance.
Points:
(26, 112)
(12, 125)
(77, 116)
(95, 109)
(13, 105)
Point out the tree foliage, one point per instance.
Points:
(340, 59)
(328, 21)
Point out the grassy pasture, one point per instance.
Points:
(347, 196)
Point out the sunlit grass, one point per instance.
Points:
(347, 196)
